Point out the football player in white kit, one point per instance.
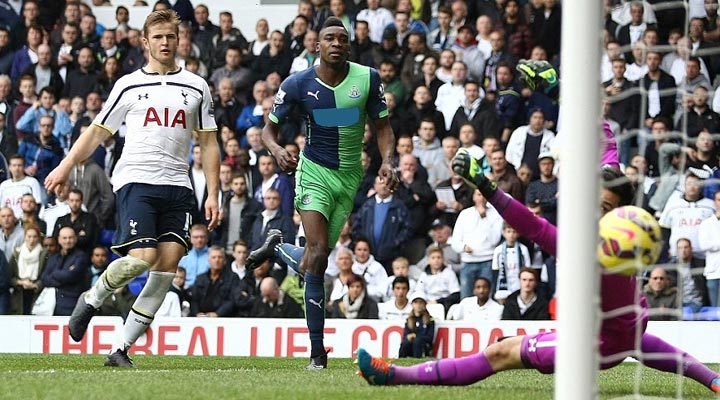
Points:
(162, 105)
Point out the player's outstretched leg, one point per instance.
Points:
(315, 317)
(676, 361)
(266, 251)
(291, 255)
(118, 274)
(141, 315)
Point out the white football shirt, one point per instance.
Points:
(161, 112)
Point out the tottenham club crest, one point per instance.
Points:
(354, 92)
(133, 225)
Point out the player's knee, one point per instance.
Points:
(317, 256)
(500, 353)
(125, 269)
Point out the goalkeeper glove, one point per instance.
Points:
(538, 75)
(468, 168)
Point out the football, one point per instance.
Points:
(630, 240)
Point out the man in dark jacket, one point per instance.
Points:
(214, 292)
(383, 220)
(526, 303)
(239, 213)
(274, 303)
(660, 85)
(272, 218)
(66, 271)
(84, 224)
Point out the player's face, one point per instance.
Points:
(162, 43)
(334, 45)
(608, 201)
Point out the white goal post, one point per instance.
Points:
(577, 330)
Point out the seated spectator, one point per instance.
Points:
(419, 330)
(528, 141)
(81, 221)
(688, 275)
(400, 268)
(355, 304)
(271, 218)
(373, 273)
(438, 282)
(440, 234)
(397, 308)
(107, 77)
(280, 183)
(30, 212)
(344, 263)
(526, 303)
(98, 263)
(239, 214)
(30, 120)
(43, 152)
(543, 191)
(479, 307)
(504, 175)
(662, 299)
(241, 77)
(309, 56)
(213, 294)
(274, 302)
(239, 254)
(26, 269)
(80, 81)
(195, 261)
(274, 57)
(11, 232)
(66, 272)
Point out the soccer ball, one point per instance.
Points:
(630, 240)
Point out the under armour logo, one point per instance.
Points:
(312, 301)
(133, 224)
(532, 345)
(141, 96)
(184, 95)
(315, 95)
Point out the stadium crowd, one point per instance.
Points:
(450, 81)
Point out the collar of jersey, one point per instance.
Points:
(177, 71)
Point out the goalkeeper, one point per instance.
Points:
(617, 334)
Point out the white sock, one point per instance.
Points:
(98, 292)
(146, 305)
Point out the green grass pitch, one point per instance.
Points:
(176, 377)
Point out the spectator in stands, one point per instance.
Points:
(203, 32)
(8, 140)
(683, 214)
(689, 276)
(661, 94)
(25, 269)
(295, 34)
(26, 54)
(135, 56)
(88, 31)
(419, 330)
(98, 196)
(508, 260)
(545, 27)
(497, 54)
(419, 199)
(214, 292)
(109, 74)
(438, 281)
(412, 64)
(18, 184)
(447, 212)
(108, 48)
(445, 63)
(528, 141)
(227, 106)
(468, 137)
(273, 180)
(343, 261)
(401, 268)
(391, 82)
(544, 191)
(30, 213)
(360, 46)
(701, 47)
(195, 261)
(274, 58)
(504, 175)
(526, 303)
(252, 114)
(46, 74)
(71, 15)
(699, 115)
(479, 307)
(423, 107)
(443, 36)
(475, 109)
(84, 223)
(274, 302)
(397, 307)
(377, 19)
(427, 149)
(708, 232)
(98, 263)
(356, 303)
(623, 107)
(451, 95)
(365, 265)
(239, 214)
(273, 217)
(467, 51)
(42, 153)
(663, 301)
(633, 31)
(509, 103)
(228, 36)
(427, 77)
(80, 80)
(66, 272)
(476, 234)
(242, 77)
(256, 46)
(308, 57)
(383, 219)
(45, 106)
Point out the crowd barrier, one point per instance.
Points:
(288, 337)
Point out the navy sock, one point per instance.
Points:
(291, 255)
(315, 312)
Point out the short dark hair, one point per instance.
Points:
(482, 278)
(333, 21)
(401, 279)
(616, 182)
(77, 192)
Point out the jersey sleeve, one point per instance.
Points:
(206, 117)
(376, 105)
(285, 100)
(112, 115)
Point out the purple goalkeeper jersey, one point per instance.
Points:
(616, 291)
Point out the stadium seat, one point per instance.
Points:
(708, 314)
(106, 237)
(136, 285)
(688, 314)
(437, 311)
